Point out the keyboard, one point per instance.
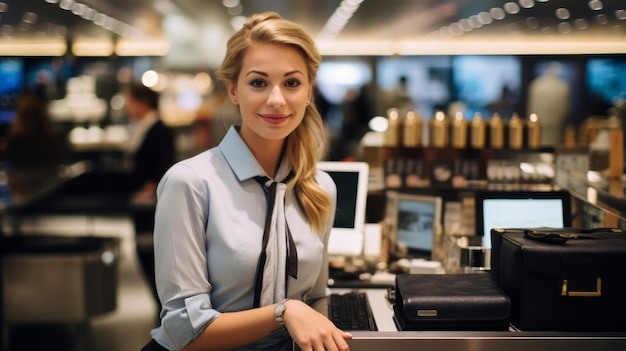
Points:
(351, 311)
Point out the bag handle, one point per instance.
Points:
(561, 236)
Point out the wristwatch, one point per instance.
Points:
(279, 310)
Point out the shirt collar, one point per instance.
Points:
(242, 161)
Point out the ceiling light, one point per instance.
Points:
(527, 4)
(497, 13)
(3, 6)
(66, 4)
(485, 17)
(230, 3)
(602, 19)
(30, 17)
(620, 15)
(581, 23)
(562, 13)
(511, 8)
(532, 22)
(565, 27)
(595, 5)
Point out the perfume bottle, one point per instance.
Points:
(412, 132)
(392, 133)
(459, 131)
(439, 130)
(516, 132)
(533, 132)
(496, 132)
(477, 131)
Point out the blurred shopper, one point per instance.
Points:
(35, 147)
(151, 146)
(151, 151)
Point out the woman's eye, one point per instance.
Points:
(292, 83)
(257, 83)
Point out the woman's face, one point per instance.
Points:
(272, 92)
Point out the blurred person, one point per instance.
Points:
(151, 151)
(35, 146)
(241, 229)
(151, 147)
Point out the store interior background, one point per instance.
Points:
(481, 53)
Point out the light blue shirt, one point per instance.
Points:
(208, 230)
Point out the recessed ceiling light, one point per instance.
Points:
(581, 23)
(595, 5)
(485, 17)
(565, 27)
(511, 8)
(602, 19)
(562, 13)
(497, 13)
(527, 4)
(532, 22)
(620, 15)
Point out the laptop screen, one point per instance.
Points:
(520, 209)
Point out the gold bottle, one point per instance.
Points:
(516, 132)
(392, 133)
(533, 132)
(412, 130)
(477, 131)
(459, 131)
(496, 132)
(570, 136)
(439, 130)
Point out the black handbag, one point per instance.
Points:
(562, 279)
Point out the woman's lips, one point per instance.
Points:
(274, 118)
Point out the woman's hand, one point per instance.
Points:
(311, 330)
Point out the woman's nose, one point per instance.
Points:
(276, 97)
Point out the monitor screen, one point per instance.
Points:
(415, 220)
(351, 180)
(521, 210)
(347, 191)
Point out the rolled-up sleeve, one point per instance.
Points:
(180, 257)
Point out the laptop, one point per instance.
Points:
(520, 209)
(348, 231)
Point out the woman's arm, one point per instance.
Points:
(310, 329)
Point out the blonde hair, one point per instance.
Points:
(307, 143)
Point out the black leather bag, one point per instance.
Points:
(450, 302)
(565, 279)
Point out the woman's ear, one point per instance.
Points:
(232, 93)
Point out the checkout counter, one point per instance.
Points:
(91, 265)
(596, 202)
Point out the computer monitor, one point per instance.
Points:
(351, 179)
(414, 222)
(520, 209)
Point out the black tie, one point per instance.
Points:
(291, 266)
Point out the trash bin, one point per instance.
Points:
(58, 279)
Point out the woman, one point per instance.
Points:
(220, 288)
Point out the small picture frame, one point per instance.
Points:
(415, 223)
